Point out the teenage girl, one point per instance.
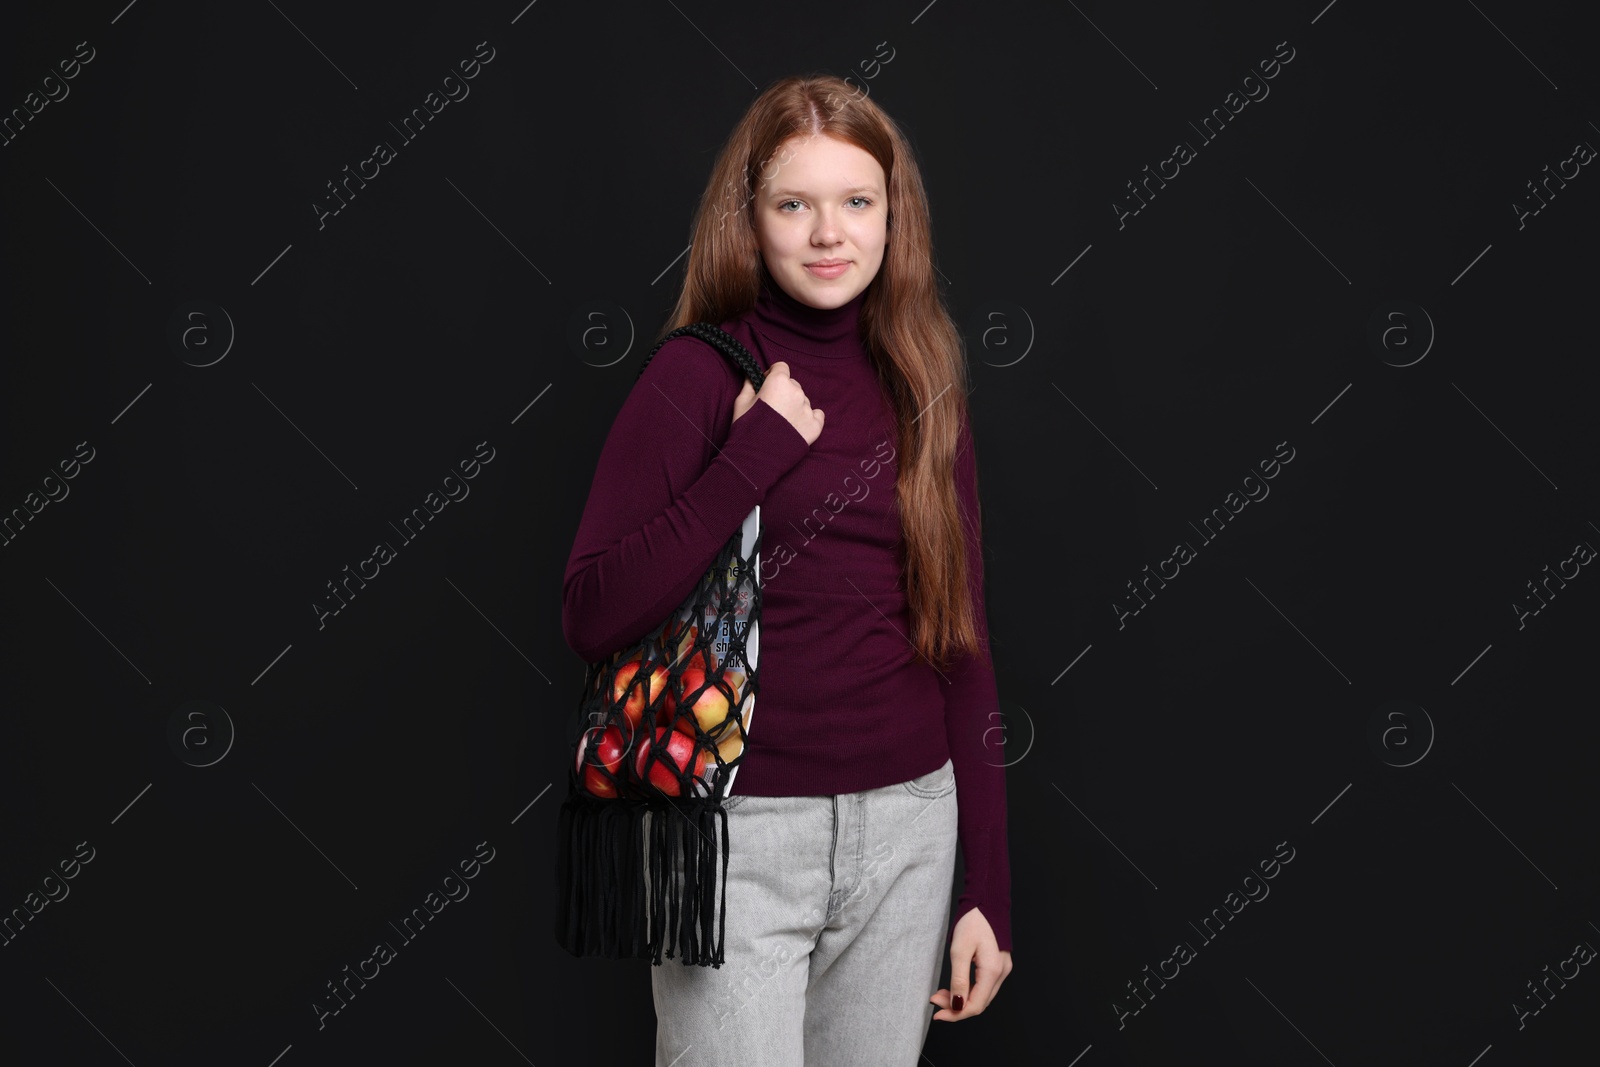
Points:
(811, 245)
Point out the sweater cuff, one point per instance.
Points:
(996, 912)
(987, 882)
(761, 447)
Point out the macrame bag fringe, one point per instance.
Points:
(639, 879)
(641, 871)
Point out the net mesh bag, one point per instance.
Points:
(661, 726)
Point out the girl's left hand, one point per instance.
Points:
(972, 942)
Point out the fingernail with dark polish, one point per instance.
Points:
(957, 1001)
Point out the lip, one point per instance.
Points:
(828, 268)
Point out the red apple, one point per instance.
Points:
(673, 751)
(639, 696)
(609, 748)
(710, 708)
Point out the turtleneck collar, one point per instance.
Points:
(834, 333)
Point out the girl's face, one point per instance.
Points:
(822, 203)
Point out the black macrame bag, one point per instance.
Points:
(661, 728)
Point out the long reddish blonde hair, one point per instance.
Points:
(911, 338)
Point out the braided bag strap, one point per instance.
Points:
(722, 341)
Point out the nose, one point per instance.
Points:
(827, 228)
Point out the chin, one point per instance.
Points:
(827, 292)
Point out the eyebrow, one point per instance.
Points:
(857, 190)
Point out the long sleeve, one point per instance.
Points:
(972, 724)
(658, 511)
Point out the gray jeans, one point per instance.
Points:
(837, 916)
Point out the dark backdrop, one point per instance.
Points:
(217, 397)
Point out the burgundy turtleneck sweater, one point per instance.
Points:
(844, 706)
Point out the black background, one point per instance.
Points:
(1115, 403)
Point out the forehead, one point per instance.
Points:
(811, 165)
